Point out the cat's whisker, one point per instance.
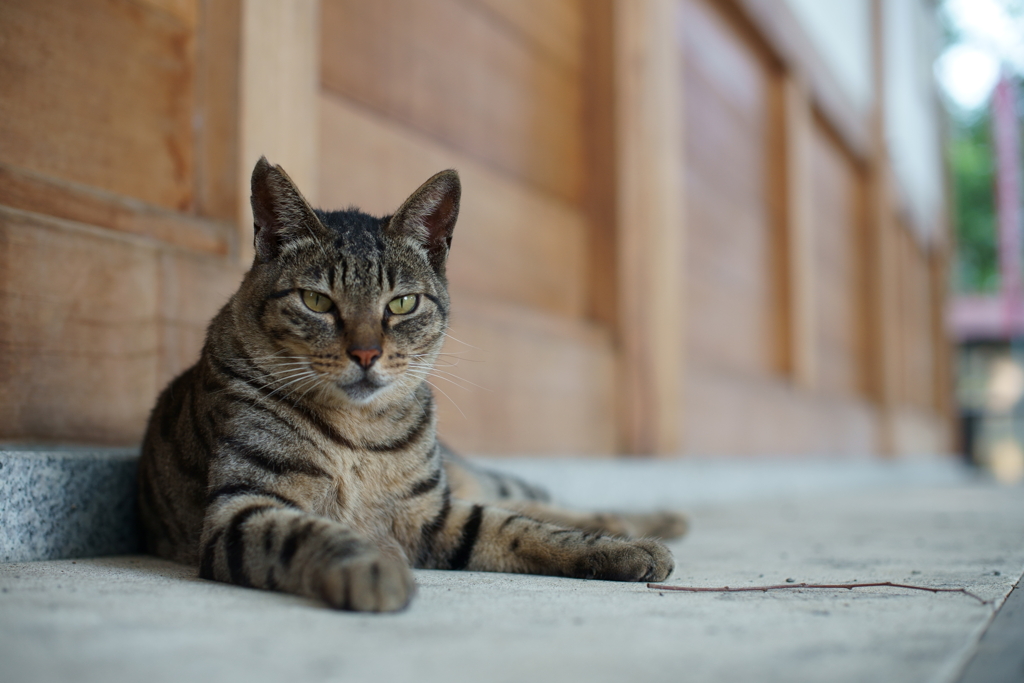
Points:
(458, 358)
(286, 374)
(462, 342)
(270, 381)
(439, 353)
(317, 382)
(447, 397)
(461, 379)
(430, 374)
(300, 378)
(286, 398)
(290, 364)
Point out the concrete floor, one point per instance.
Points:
(139, 619)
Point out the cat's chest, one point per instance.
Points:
(374, 487)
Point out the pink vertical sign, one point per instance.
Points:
(1005, 131)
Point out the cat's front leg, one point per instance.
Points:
(262, 540)
(485, 538)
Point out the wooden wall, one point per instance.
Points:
(675, 237)
(783, 350)
(116, 184)
(495, 89)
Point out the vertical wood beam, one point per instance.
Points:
(798, 120)
(217, 109)
(945, 405)
(600, 189)
(279, 109)
(649, 164)
(884, 283)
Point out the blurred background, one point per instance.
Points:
(689, 227)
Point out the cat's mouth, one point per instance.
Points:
(362, 389)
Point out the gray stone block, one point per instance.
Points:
(61, 502)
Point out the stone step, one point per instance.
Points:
(59, 502)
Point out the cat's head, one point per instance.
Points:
(342, 306)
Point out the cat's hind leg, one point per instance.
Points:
(470, 481)
(665, 525)
(484, 538)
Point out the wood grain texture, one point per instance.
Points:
(512, 243)
(22, 189)
(186, 11)
(882, 249)
(192, 287)
(731, 414)
(917, 360)
(794, 186)
(130, 130)
(450, 70)
(545, 385)
(600, 198)
(840, 262)
(652, 266)
(735, 273)
(93, 324)
(78, 331)
(278, 112)
(554, 26)
(775, 22)
(218, 93)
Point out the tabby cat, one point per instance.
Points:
(300, 454)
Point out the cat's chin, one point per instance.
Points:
(362, 391)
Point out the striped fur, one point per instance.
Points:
(300, 453)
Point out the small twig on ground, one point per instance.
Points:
(727, 589)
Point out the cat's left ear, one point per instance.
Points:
(429, 216)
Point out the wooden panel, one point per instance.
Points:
(650, 224)
(279, 90)
(741, 415)
(512, 243)
(99, 93)
(733, 262)
(192, 289)
(78, 331)
(450, 70)
(838, 211)
(601, 200)
(217, 109)
(544, 384)
(187, 11)
(30, 191)
(554, 26)
(916, 325)
(794, 188)
(776, 23)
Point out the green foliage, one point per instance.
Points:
(972, 167)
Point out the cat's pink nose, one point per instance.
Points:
(365, 357)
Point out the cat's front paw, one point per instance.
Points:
(370, 583)
(617, 560)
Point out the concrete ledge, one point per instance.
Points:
(66, 502)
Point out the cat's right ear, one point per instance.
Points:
(279, 211)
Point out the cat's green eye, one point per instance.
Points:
(316, 302)
(401, 305)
